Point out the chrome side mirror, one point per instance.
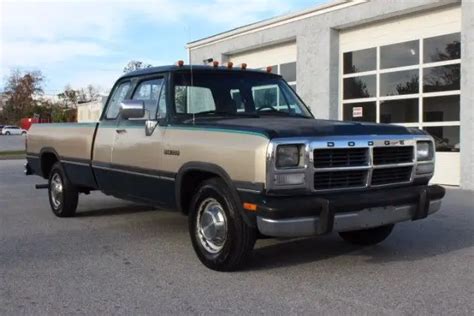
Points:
(132, 109)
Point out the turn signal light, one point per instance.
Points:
(250, 207)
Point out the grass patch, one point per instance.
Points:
(12, 154)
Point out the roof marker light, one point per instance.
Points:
(215, 64)
(243, 66)
(180, 63)
(269, 69)
(230, 65)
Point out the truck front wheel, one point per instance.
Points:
(63, 195)
(367, 237)
(221, 238)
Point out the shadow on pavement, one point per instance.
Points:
(122, 210)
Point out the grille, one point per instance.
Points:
(340, 179)
(391, 175)
(340, 157)
(392, 155)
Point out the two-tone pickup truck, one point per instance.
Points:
(239, 153)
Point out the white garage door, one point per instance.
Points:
(407, 71)
(282, 59)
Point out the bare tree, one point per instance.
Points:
(135, 65)
(69, 97)
(20, 89)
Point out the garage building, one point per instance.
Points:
(398, 62)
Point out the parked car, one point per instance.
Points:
(240, 154)
(13, 130)
(1, 127)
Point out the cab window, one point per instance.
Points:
(149, 92)
(192, 99)
(118, 96)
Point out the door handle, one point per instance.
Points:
(121, 131)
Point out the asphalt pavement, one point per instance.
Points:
(116, 257)
(12, 142)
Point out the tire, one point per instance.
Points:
(227, 240)
(7, 133)
(367, 237)
(23, 133)
(63, 201)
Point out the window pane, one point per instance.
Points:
(440, 109)
(442, 78)
(149, 92)
(117, 97)
(359, 87)
(266, 96)
(193, 99)
(439, 48)
(399, 111)
(446, 137)
(361, 60)
(398, 55)
(288, 71)
(400, 82)
(363, 112)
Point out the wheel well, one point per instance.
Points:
(189, 184)
(47, 162)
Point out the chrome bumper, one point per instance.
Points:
(366, 218)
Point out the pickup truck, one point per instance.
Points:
(239, 153)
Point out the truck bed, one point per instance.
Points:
(67, 139)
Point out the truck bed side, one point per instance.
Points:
(71, 143)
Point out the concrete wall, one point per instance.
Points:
(467, 95)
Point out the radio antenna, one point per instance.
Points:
(191, 72)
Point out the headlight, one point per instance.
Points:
(288, 156)
(424, 151)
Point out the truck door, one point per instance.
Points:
(136, 156)
(106, 136)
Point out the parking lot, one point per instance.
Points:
(12, 142)
(122, 258)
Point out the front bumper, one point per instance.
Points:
(316, 215)
(367, 218)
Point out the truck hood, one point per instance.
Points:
(277, 127)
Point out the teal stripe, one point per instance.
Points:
(216, 129)
(71, 124)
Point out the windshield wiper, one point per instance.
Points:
(280, 113)
(223, 113)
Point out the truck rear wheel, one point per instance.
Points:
(221, 238)
(367, 237)
(63, 196)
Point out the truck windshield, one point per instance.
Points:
(235, 94)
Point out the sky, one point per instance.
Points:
(89, 42)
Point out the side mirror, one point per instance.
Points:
(132, 109)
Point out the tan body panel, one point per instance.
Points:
(73, 140)
(242, 155)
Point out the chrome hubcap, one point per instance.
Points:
(56, 190)
(211, 225)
